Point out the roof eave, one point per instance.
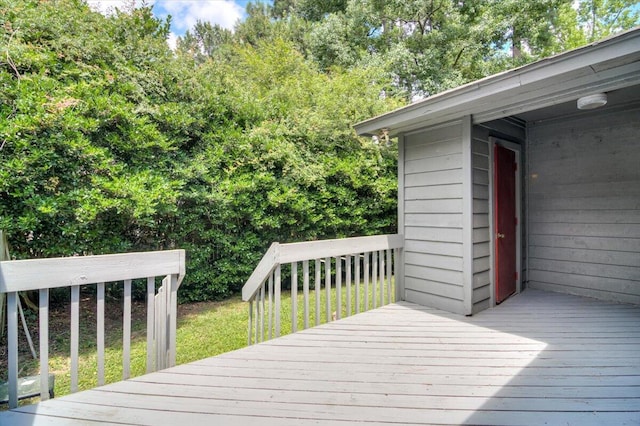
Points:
(610, 64)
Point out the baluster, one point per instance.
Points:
(278, 282)
(126, 331)
(389, 276)
(327, 286)
(255, 328)
(317, 291)
(262, 312)
(250, 323)
(374, 275)
(305, 290)
(338, 287)
(347, 262)
(294, 297)
(12, 347)
(396, 274)
(381, 276)
(75, 332)
(151, 292)
(43, 320)
(270, 305)
(366, 281)
(357, 283)
(173, 319)
(160, 331)
(100, 332)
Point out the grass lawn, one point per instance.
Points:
(204, 330)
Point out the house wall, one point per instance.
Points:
(481, 161)
(431, 216)
(584, 204)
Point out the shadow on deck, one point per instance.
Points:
(539, 358)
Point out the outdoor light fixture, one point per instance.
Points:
(592, 101)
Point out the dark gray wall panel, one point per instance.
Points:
(584, 205)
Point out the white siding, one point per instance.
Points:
(482, 262)
(584, 201)
(432, 217)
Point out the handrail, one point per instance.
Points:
(307, 250)
(366, 262)
(73, 272)
(36, 274)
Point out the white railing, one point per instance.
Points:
(73, 272)
(364, 264)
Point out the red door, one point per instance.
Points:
(505, 221)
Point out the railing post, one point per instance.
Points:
(398, 273)
(250, 323)
(12, 347)
(126, 331)
(43, 320)
(294, 297)
(278, 284)
(75, 335)
(173, 324)
(305, 291)
(327, 286)
(338, 287)
(317, 290)
(151, 292)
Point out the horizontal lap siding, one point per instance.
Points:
(584, 198)
(481, 231)
(433, 217)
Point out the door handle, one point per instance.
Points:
(499, 235)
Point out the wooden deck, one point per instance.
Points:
(539, 358)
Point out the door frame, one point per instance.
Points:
(517, 149)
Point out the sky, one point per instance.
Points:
(185, 13)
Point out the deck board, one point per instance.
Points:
(537, 358)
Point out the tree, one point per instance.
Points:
(602, 18)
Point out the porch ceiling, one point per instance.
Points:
(539, 358)
(616, 98)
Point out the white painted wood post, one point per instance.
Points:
(270, 325)
(294, 297)
(151, 292)
(317, 290)
(381, 276)
(348, 284)
(398, 274)
(261, 312)
(389, 276)
(366, 281)
(357, 283)
(278, 284)
(126, 331)
(250, 323)
(12, 347)
(173, 319)
(327, 287)
(43, 320)
(305, 291)
(75, 332)
(374, 275)
(100, 332)
(338, 287)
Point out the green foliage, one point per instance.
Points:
(111, 142)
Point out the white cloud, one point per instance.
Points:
(185, 13)
(172, 41)
(108, 6)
